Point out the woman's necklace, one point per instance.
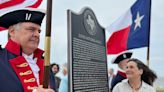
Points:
(134, 88)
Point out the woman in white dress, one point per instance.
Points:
(139, 78)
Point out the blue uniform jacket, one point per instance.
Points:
(118, 78)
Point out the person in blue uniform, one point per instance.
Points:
(121, 60)
(21, 61)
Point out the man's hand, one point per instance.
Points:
(41, 89)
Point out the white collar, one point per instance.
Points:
(28, 56)
(119, 69)
(32, 60)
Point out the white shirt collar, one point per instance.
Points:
(32, 60)
(28, 56)
(119, 69)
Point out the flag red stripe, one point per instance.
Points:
(118, 41)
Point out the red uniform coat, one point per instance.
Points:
(16, 74)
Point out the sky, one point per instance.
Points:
(106, 11)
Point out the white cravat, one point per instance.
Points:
(33, 65)
(121, 70)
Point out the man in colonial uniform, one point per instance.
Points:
(21, 62)
(121, 60)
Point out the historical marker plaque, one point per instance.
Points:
(86, 53)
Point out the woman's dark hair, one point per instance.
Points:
(56, 65)
(148, 75)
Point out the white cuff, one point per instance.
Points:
(34, 90)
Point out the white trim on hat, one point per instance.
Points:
(124, 55)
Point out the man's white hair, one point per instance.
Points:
(17, 26)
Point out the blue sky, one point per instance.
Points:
(106, 11)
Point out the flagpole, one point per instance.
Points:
(148, 51)
(47, 45)
(148, 48)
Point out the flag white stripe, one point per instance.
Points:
(3, 1)
(124, 21)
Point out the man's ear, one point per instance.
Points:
(11, 31)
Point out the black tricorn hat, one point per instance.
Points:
(122, 56)
(21, 15)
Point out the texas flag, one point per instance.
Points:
(132, 29)
(7, 5)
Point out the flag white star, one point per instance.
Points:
(138, 21)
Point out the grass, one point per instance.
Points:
(160, 90)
